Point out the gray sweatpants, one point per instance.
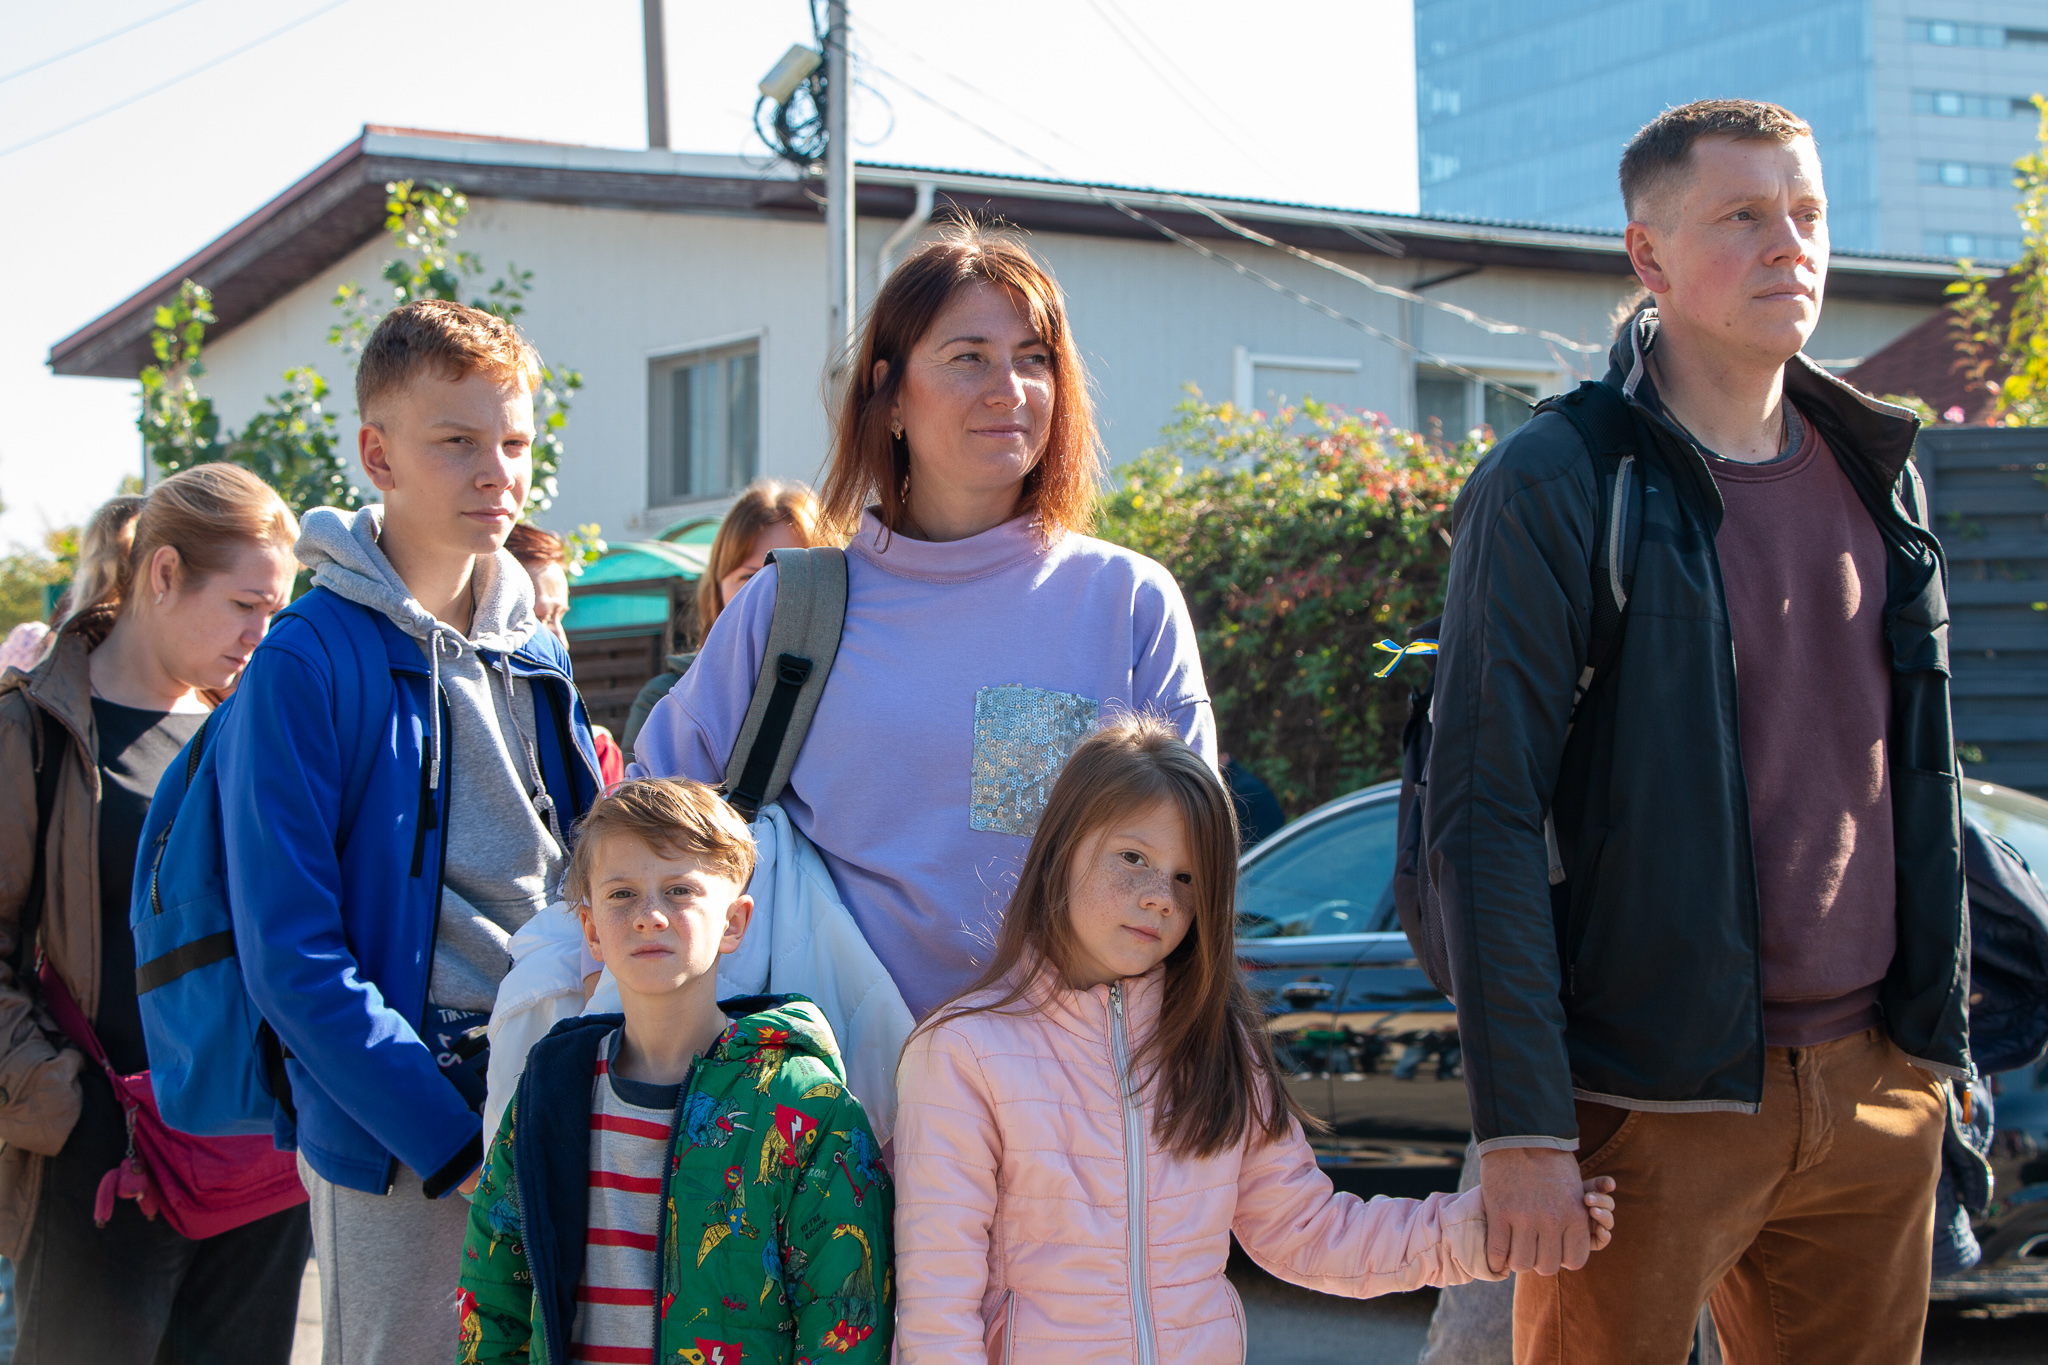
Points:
(388, 1267)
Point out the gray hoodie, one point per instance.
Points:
(503, 845)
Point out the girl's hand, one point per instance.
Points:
(1600, 1208)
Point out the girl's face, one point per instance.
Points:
(780, 536)
(1130, 895)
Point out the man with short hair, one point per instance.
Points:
(1706, 926)
(404, 760)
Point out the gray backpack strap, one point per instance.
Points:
(803, 639)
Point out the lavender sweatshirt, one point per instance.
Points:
(967, 672)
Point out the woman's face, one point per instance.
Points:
(976, 399)
(205, 631)
(780, 536)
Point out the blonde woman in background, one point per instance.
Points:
(158, 634)
(771, 514)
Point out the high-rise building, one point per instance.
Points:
(1919, 106)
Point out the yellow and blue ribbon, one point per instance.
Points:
(1401, 652)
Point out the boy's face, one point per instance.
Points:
(454, 460)
(659, 921)
(1736, 247)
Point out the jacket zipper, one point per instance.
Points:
(1134, 1174)
(661, 1217)
(433, 930)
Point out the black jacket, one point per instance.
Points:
(1638, 979)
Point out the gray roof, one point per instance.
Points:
(339, 205)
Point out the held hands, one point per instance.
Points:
(1540, 1214)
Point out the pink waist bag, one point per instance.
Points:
(202, 1186)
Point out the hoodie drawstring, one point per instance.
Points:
(440, 633)
(542, 801)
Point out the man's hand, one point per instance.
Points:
(1536, 1217)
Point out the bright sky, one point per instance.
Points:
(1309, 100)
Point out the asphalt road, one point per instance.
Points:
(1290, 1326)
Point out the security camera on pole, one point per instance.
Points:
(811, 122)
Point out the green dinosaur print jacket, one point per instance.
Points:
(775, 1242)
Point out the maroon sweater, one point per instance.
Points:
(1804, 569)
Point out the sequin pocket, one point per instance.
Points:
(1022, 736)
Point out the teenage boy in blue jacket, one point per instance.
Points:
(398, 778)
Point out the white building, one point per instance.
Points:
(690, 291)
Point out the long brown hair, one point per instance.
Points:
(209, 514)
(762, 504)
(1210, 1054)
(103, 551)
(869, 463)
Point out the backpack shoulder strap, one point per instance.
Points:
(1612, 436)
(803, 640)
(50, 766)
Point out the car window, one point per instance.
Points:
(1332, 877)
(2013, 817)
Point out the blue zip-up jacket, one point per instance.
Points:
(334, 852)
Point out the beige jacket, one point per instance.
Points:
(39, 1089)
(1037, 1218)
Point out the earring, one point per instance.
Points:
(896, 429)
(159, 599)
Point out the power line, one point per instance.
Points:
(104, 37)
(1175, 87)
(183, 76)
(1334, 314)
(1337, 315)
(1479, 320)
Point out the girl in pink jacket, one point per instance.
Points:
(1080, 1132)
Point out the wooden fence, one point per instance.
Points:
(1990, 494)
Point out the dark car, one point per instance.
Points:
(1371, 1047)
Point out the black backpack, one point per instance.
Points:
(2008, 953)
(1608, 426)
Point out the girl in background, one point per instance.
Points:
(545, 557)
(770, 515)
(1080, 1133)
(147, 650)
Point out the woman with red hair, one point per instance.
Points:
(986, 633)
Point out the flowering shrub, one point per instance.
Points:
(1300, 538)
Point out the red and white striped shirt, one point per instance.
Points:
(632, 1131)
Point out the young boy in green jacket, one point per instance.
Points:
(689, 1181)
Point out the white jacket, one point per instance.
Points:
(802, 942)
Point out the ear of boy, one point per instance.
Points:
(454, 461)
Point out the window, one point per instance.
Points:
(1958, 104)
(1266, 383)
(705, 423)
(1975, 246)
(1974, 175)
(1456, 403)
(1437, 168)
(1331, 878)
(1942, 33)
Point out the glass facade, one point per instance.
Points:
(1522, 110)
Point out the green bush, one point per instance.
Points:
(1300, 538)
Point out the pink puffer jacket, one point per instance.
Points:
(1018, 1162)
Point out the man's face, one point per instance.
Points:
(454, 460)
(1736, 245)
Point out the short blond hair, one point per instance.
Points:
(675, 817)
(448, 340)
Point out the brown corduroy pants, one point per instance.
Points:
(1807, 1228)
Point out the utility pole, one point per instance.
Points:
(657, 73)
(839, 214)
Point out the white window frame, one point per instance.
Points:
(1245, 364)
(666, 356)
(1549, 379)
